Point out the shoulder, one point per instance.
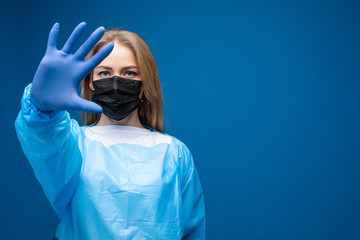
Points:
(182, 150)
(175, 143)
(172, 139)
(181, 145)
(184, 159)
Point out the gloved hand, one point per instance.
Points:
(60, 72)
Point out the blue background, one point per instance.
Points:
(264, 93)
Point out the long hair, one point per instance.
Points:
(151, 109)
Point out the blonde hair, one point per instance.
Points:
(151, 109)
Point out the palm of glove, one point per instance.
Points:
(60, 72)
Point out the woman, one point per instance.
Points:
(119, 176)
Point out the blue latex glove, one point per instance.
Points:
(60, 72)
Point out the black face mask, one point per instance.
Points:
(117, 96)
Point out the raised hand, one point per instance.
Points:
(60, 72)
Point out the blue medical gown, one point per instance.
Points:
(112, 182)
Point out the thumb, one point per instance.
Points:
(86, 106)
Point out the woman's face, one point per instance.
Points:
(120, 62)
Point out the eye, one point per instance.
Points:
(103, 72)
(132, 73)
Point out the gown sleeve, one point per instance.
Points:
(193, 205)
(49, 142)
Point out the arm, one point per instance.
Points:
(49, 141)
(47, 135)
(193, 205)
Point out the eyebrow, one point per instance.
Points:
(126, 67)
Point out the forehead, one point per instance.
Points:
(119, 56)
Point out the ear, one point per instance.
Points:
(91, 86)
(91, 82)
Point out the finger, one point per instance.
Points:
(95, 60)
(53, 35)
(89, 43)
(86, 106)
(74, 37)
